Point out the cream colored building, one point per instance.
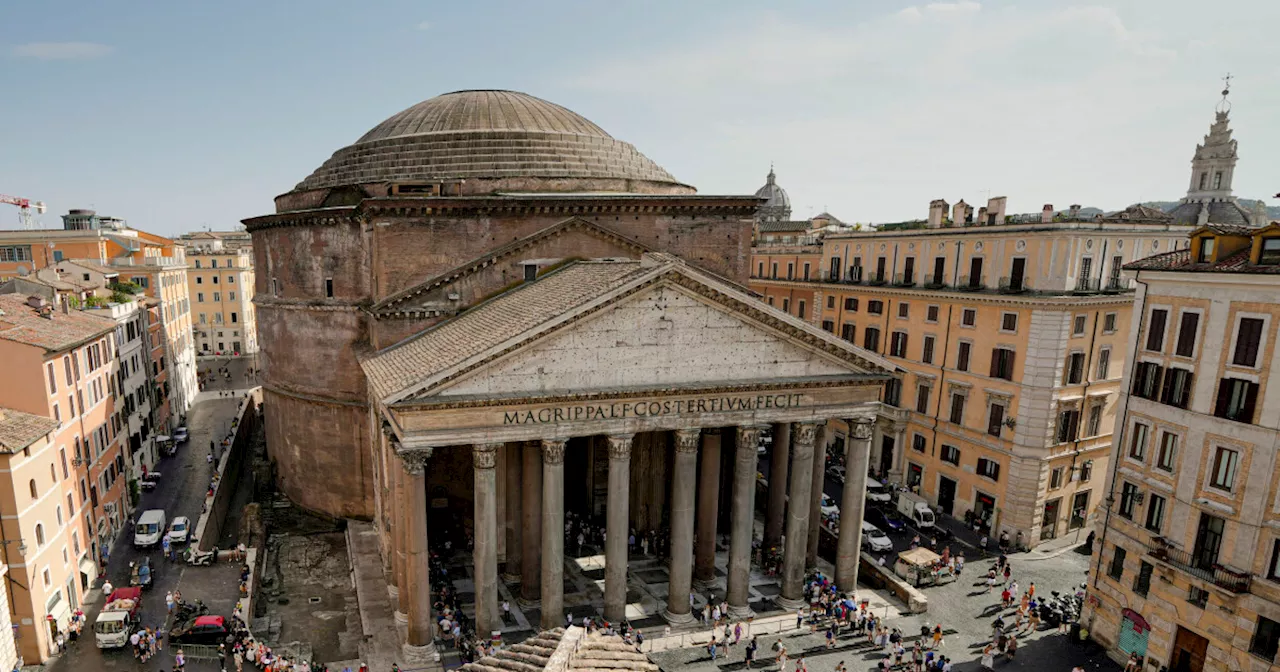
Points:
(1186, 570)
(220, 284)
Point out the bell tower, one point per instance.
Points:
(1215, 159)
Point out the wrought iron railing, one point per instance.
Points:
(935, 281)
(1087, 284)
(1013, 285)
(1224, 577)
(904, 280)
(970, 284)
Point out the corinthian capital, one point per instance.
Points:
(687, 440)
(803, 433)
(749, 439)
(553, 451)
(862, 428)
(415, 461)
(620, 446)
(485, 455)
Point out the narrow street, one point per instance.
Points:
(181, 491)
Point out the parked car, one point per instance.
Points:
(874, 539)
(180, 530)
(885, 519)
(180, 434)
(836, 471)
(201, 630)
(150, 480)
(828, 506)
(878, 492)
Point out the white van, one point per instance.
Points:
(150, 528)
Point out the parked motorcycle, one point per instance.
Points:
(199, 558)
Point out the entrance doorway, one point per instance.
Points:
(886, 455)
(946, 494)
(1049, 521)
(915, 474)
(1188, 651)
(1134, 631)
(1079, 508)
(984, 509)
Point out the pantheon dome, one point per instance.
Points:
(491, 141)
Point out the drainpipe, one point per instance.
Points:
(946, 348)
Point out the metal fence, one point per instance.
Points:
(199, 651)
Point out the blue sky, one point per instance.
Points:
(178, 116)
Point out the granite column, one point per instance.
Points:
(815, 497)
(849, 547)
(680, 576)
(742, 520)
(531, 535)
(552, 533)
(798, 516)
(485, 551)
(776, 509)
(515, 460)
(704, 565)
(617, 528)
(418, 568)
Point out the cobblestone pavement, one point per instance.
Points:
(965, 611)
(180, 493)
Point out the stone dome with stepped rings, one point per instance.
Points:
(495, 141)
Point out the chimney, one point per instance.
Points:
(35, 302)
(66, 305)
(995, 209)
(937, 213)
(961, 213)
(1046, 214)
(1074, 211)
(982, 216)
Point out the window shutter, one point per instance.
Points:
(1139, 372)
(1224, 398)
(1157, 373)
(997, 419)
(1247, 341)
(1167, 389)
(1009, 358)
(1250, 399)
(995, 362)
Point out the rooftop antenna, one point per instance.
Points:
(1224, 105)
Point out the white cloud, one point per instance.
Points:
(963, 7)
(62, 51)
(425, 25)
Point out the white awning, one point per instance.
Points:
(162, 437)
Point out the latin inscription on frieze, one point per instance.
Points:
(649, 409)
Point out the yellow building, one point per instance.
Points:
(220, 284)
(1012, 332)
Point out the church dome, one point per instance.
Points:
(775, 195)
(496, 138)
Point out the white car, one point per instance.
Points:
(836, 471)
(828, 507)
(877, 492)
(874, 539)
(179, 530)
(180, 434)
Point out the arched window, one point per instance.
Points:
(39, 534)
(34, 493)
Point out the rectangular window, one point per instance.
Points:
(989, 468)
(799, 310)
(829, 326)
(893, 392)
(235, 317)
(1002, 363)
(1095, 420)
(926, 354)
(791, 271)
(1155, 329)
(831, 303)
(1177, 387)
(1270, 252)
(1248, 340)
(851, 304)
(786, 305)
(1188, 324)
(1274, 566)
(1142, 584)
(53, 378)
(969, 317)
(1138, 442)
(918, 444)
(1068, 424)
(898, 344)
(1078, 325)
(1055, 478)
(1236, 399)
(328, 284)
(806, 271)
(904, 310)
(774, 268)
(1225, 463)
(931, 313)
(759, 270)
(847, 331)
(66, 364)
(1086, 472)
(1266, 638)
(875, 307)
(871, 339)
(1146, 380)
(957, 409)
(995, 419)
(1109, 323)
(962, 355)
(1155, 513)
(1104, 364)
(1168, 450)
(1128, 499)
(950, 454)
(922, 398)
(1009, 322)
(1075, 368)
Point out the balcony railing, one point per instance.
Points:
(877, 279)
(935, 281)
(1221, 576)
(1013, 285)
(904, 280)
(1084, 285)
(970, 284)
(1118, 285)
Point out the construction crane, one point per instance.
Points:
(24, 208)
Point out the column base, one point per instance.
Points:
(528, 604)
(510, 578)
(677, 619)
(789, 604)
(704, 585)
(741, 612)
(393, 592)
(400, 618)
(419, 654)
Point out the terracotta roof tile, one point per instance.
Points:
(21, 323)
(19, 430)
(1180, 260)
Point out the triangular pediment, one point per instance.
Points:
(641, 325)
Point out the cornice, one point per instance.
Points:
(312, 305)
(1064, 301)
(385, 307)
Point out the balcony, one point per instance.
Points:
(1086, 286)
(1228, 579)
(970, 284)
(935, 281)
(1013, 285)
(904, 280)
(1118, 285)
(876, 280)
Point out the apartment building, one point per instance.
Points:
(134, 383)
(63, 488)
(154, 264)
(220, 282)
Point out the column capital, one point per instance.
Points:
(553, 451)
(687, 440)
(749, 436)
(804, 433)
(485, 455)
(862, 428)
(620, 446)
(415, 461)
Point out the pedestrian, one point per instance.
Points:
(1031, 590)
(801, 666)
(799, 619)
(168, 601)
(988, 660)
(991, 580)
(506, 611)
(179, 661)
(959, 564)
(937, 636)
(737, 632)
(831, 637)
(750, 656)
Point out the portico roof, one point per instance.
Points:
(508, 326)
